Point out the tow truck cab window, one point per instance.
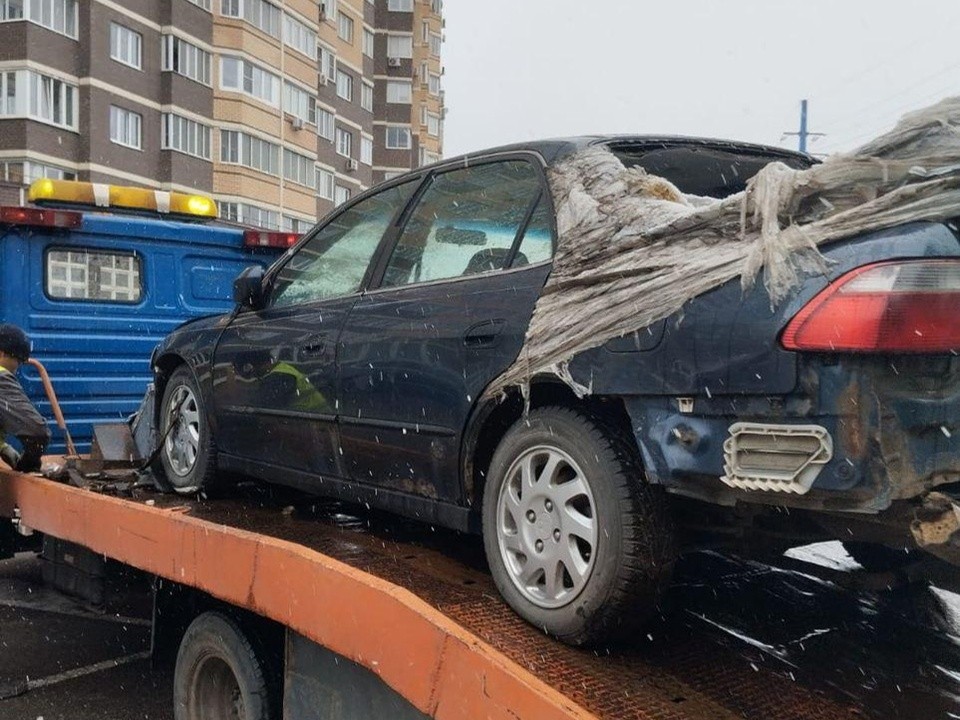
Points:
(466, 222)
(334, 261)
(95, 275)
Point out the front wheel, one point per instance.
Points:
(577, 542)
(188, 455)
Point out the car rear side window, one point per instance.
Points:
(465, 223)
(86, 274)
(334, 261)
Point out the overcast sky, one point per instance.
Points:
(525, 69)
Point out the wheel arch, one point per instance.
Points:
(491, 420)
(163, 367)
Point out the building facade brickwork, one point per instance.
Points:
(280, 109)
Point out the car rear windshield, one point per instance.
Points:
(701, 168)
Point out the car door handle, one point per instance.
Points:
(483, 334)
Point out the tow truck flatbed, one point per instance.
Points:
(423, 616)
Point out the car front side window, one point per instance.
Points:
(466, 222)
(334, 261)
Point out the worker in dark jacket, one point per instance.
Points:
(18, 416)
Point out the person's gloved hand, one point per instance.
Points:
(10, 456)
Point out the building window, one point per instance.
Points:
(25, 93)
(425, 30)
(186, 59)
(328, 10)
(344, 142)
(366, 150)
(433, 125)
(295, 225)
(325, 124)
(400, 5)
(299, 103)
(436, 6)
(340, 195)
(259, 13)
(344, 85)
(325, 184)
(205, 4)
(125, 126)
(299, 37)
(237, 148)
(57, 15)
(436, 42)
(433, 83)
(247, 214)
(367, 43)
(398, 138)
(399, 91)
(186, 136)
(345, 27)
(400, 46)
(327, 64)
(428, 158)
(93, 275)
(243, 76)
(126, 46)
(299, 169)
(366, 97)
(26, 171)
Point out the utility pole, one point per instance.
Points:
(803, 134)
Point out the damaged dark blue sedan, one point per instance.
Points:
(374, 363)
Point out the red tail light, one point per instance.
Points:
(40, 218)
(257, 238)
(910, 306)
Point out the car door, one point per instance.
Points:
(453, 303)
(275, 375)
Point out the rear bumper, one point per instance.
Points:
(892, 426)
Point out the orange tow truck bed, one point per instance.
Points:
(427, 623)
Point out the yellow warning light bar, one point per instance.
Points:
(71, 192)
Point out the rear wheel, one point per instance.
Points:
(188, 454)
(218, 675)
(577, 542)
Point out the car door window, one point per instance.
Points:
(465, 223)
(537, 243)
(334, 261)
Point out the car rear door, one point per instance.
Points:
(275, 377)
(455, 297)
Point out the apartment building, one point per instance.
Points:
(280, 109)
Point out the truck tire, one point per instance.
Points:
(188, 455)
(578, 543)
(218, 675)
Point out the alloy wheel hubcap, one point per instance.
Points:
(547, 526)
(183, 440)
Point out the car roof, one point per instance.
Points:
(553, 150)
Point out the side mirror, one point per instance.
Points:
(248, 288)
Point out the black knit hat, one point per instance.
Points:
(14, 342)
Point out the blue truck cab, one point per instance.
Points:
(95, 290)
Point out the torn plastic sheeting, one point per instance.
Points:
(632, 249)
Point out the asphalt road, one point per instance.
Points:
(59, 661)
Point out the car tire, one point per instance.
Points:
(188, 453)
(606, 575)
(218, 675)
